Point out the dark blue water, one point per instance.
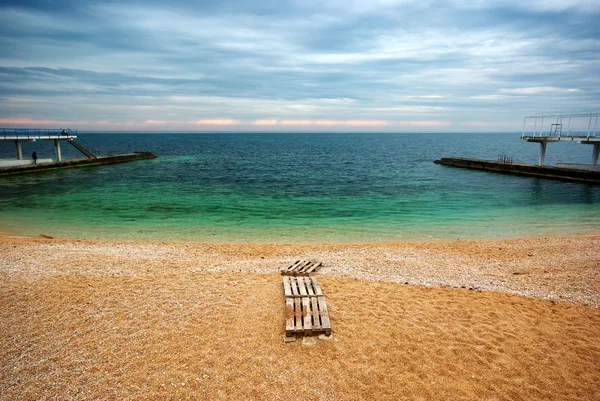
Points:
(299, 187)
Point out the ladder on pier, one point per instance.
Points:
(83, 149)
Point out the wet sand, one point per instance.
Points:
(489, 319)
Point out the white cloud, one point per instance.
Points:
(538, 89)
(414, 109)
(532, 5)
(490, 97)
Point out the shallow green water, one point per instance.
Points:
(300, 188)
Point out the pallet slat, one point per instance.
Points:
(298, 312)
(290, 268)
(305, 267)
(315, 314)
(289, 316)
(287, 287)
(294, 266)
(317, 287)
(324, 315)
(302, 286)
(307, 315)
(309, 287)
(301, 268)
(314, 268)
(294, 285)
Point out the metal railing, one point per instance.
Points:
(35, 133)
(581, 125)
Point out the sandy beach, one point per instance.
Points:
(510, 319)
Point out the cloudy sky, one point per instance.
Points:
(340, 65)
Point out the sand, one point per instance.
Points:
(492, 319)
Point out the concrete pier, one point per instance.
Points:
(44, 165)
(542, 152)
(19, 150)
(595, 154)
(57, 150)
(561, 173)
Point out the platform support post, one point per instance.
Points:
(19, 150)
(542, 152)
(596, 154)
(57, 150)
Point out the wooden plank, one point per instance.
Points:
(301, 268)
(325, 323)
(293, 266)
(315, 314)
(289, 316)
(287, 287)
(294, 286)
(294, 269)
(309, 287)
(307, 315)
(316, 287)
(290, 269)
(304, 267)
(302, 286)
(298, 314)
(314, 268)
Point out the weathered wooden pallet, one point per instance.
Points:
(306, 315)
(305, 306)
(297, 287)
(301, 268)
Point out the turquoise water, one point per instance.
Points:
(257, 187)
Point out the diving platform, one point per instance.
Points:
(581, 128)
(58, 136)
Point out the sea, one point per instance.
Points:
(298, 188)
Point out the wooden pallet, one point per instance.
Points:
(296, 287)
(305, 307)
(301, 268)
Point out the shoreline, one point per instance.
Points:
(34, 233)
(518, 225)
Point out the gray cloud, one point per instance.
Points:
(393, 61)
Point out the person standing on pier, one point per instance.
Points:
(34, 157)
